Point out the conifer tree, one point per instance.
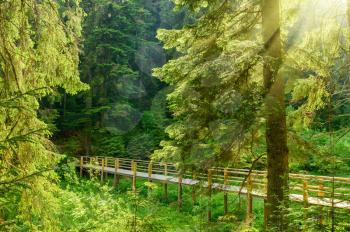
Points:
(220, 82)
(38, 54)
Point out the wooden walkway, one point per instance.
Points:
(309, 189)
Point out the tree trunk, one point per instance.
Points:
(276, 131)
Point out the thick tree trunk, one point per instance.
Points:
(276, 131)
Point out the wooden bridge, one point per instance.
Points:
(324, 191)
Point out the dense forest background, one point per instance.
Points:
(239, 84)
(124, 113)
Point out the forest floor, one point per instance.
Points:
(148, 210)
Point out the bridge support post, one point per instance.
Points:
(194, 177)
(249, 198)
(305, 194)
(225, 193)
(166, 182)
(179, 193)
(265, 214)
(265, 202)
(305, 198)
(81, 165)
(134, 171)
(116, 176)
(102, 169)
(90, 171)
(321, 195)
(149, 171)
(106, 166)
(210, 174)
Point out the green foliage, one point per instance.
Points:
(90, 207)
(217, 86)
(215, 96)
(124, 103)
(313, 153)
(314, 218)
(38, 54)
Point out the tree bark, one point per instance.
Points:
(276, 129)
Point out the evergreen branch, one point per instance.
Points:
(11, 182)
(19, 95)
(23, 137)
